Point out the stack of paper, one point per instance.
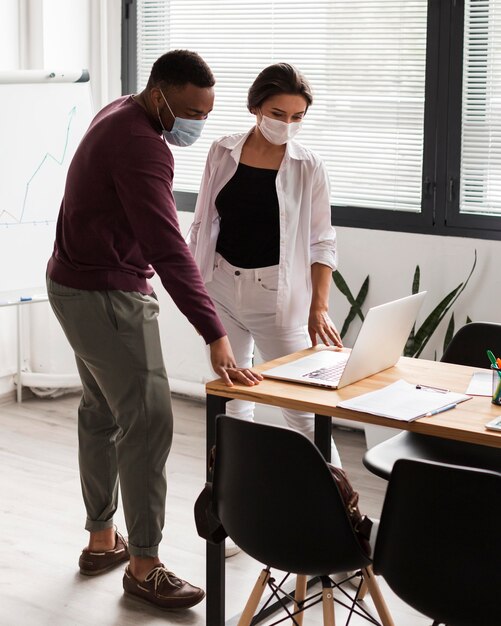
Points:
(480, 384)
(404, 401)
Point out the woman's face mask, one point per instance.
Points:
(276, 131)
(184, 132)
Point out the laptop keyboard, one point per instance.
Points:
(332, 373)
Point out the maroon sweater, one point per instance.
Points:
(118, 222)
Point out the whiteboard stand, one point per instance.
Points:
(19, 304)
(19, 389)
(33, 185)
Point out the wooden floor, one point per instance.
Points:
(42, 516)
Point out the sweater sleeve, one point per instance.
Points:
(143, 177)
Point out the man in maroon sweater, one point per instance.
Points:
(116, 227)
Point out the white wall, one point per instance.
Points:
(9, 30)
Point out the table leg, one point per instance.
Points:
(215, 568)
(323, 435)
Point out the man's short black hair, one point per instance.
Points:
(180, 67)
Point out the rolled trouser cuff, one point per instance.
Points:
(93, 525)
(143, 552)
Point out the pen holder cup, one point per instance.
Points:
(496, 385)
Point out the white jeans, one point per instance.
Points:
(246, 303)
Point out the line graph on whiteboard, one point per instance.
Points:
(40, 129)
(34, 181)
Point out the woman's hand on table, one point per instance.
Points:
(322, 327)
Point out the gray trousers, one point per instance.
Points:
(125, 414)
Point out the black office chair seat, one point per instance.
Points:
(276, 498)
(407, 445)
(438, 545)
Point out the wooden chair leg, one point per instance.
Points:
(299, 596)
(377, 597)
(254, 598)
(328, 606)
(363, 590)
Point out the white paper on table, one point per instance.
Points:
(403, 401)
(480, 384)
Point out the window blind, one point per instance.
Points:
(480, 190)
(365, 60)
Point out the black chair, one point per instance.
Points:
(470, 344)
(438, 545)
(277, 499)
(467, 347)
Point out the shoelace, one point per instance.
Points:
(159, 574)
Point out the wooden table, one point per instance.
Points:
(464, 423)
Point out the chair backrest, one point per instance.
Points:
(470, 343)
(439, 541)
(278, 501)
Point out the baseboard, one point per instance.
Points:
(11, 396)
(8, 397)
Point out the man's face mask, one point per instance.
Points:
(183, 132)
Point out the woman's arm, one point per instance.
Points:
(319, 322)
(323, 261)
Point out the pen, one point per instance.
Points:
(453, 405)
(494, 362)
(430, 388)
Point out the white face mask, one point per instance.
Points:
(183, 132)
(278, 132)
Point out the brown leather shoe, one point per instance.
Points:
(94, 563)
(163, 589)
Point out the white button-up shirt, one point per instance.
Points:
(306, 233)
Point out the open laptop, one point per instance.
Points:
(379, 345)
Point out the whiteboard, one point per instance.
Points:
(41, 125)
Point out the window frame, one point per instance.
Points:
(128, 72)
(440, 214)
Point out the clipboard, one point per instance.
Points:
(405, 402)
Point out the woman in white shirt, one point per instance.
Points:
(262, 234)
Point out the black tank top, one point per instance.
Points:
(249, 233)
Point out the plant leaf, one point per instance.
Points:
(430, 324)
(342, 286)
(360, 299)
(356, 309)
(433, 320)
(410, 344)
(449, 333)
(346, 324)
(415, 280)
